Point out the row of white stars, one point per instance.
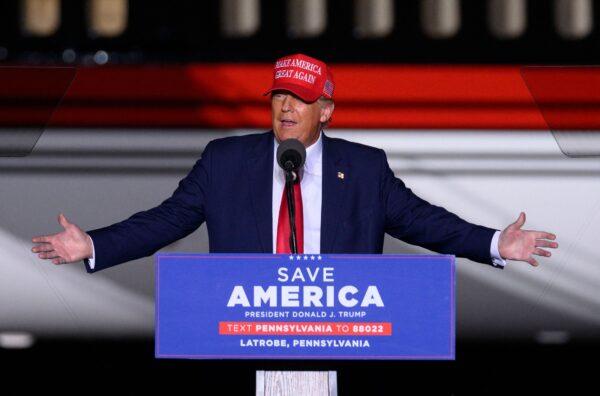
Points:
(292, 257)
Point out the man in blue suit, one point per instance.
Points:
(347, 196)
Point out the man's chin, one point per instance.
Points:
(287, 134)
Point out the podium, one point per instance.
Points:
(304, 307)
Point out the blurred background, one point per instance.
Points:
(486, 108)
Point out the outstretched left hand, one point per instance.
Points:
(521, 245)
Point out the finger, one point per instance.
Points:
(520, 221)
(59, 260)
(48, 255)
(63, 221)
(532, 261)
(544, 235)
(545, 243)
(41, 239)
(44, 247)
(542, 252)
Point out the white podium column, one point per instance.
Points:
(296, 383)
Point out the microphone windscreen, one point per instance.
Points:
(291, 154)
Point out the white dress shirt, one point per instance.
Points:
(311, 183)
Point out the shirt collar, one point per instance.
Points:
(314, 157)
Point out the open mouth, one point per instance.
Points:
(288, 123)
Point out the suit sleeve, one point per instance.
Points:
(146, 232)
(416, 221)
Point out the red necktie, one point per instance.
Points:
(283, 226)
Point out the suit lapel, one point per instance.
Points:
(334, 199)
(260, 176)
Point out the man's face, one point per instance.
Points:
(294, 118)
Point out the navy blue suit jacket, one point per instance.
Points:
(230, 188)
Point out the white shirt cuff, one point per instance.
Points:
(91, 262)
(497, 260)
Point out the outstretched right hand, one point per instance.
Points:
(68, 246)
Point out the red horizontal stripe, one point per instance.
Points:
(306, 328)
(367, 96)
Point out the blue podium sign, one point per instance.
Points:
(262, 306)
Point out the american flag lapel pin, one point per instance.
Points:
(341, 175)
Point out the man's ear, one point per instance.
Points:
(327, 111)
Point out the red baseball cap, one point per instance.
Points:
(306, 77)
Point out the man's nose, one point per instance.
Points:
(287, 104)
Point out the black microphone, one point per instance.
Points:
(291, 155)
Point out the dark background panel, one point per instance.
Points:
(128, 367)
(189, 31)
